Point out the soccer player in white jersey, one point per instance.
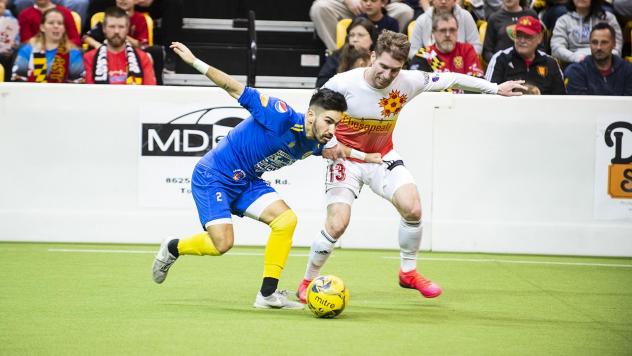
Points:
(375, 96)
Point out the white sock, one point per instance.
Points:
(409, 242)
(321, 248)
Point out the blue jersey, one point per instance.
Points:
(271, 138)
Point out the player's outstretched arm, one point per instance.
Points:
(221, 79)
(445, 80)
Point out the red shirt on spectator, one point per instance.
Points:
(117, 67)
(463, 59)
(29, 21)
(138, 28)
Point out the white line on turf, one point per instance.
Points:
(488, 260)
(440, 259)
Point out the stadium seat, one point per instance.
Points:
(98, 17)
(482, 28)
(409, 30)
(1, 73)
(77, 19)
(341, 32)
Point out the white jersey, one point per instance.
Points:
(372, 113)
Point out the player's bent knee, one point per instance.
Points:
(412, 214)
(223, 246)
(286, 221)
(336, 227)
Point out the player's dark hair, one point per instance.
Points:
(115, 12)
(328, 100)
(604, 26)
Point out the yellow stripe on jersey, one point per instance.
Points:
(264, 100)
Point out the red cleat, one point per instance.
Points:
(301, 292)
(414, 280)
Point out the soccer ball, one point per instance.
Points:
(327, 296)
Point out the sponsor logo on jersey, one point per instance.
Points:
(280, 106)
(435, 78)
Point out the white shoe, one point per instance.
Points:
(276, 300)
(163, 261)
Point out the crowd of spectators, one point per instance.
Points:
(550, 44)
(579, 46)
(42, 40)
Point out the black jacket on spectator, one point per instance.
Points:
(585, 79)
(544, 72)
(329, 69)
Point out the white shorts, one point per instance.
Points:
(384, 179)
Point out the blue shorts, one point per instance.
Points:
(217, 197)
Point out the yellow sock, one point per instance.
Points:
(279, 244)
(198, 244)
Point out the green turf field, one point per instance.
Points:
(57, 300)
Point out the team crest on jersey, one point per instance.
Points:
(280, 106)
(458, 62)
(393, 104)
(542, 71)
(238, 175)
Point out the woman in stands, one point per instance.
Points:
(49, 57)
(361, 38)
(570, 42)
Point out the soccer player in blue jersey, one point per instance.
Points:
(228, 178)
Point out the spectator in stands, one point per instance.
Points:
(418, 6)
(9, 39)
(600, 73)
(447, 54)
(375, 10)
(78, 6)
(501, 27)
(325, 14)
(117, 61)
(623, 10)
(31, 18)
(422, 32)
(170, 11)
(525, 62)
(49, 57)
(554, 10)
(138, 34)
(361, 38)
(570, 42)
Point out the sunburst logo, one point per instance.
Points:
(392, 104)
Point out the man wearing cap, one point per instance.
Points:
(525, 62)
